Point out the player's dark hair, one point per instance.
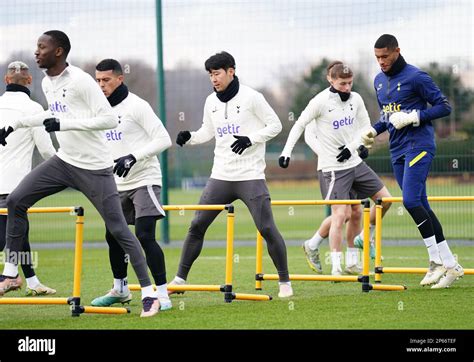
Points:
(109, 64)
(60, 39)
(222, 60)
(386, 41)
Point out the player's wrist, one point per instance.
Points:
(415, 117)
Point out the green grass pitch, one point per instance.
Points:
(315, 305)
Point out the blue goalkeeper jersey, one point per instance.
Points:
(410, 89)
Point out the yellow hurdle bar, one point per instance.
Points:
(379, 269)
(378, 241)
(105, 310)
(406, 270)
(184, 288)
(366, 251)
(387, 287)
(314, 202)
(432, 198)
(34, 300)
(229, 249)
(194, 207)
(76, 293)
(74, 301)
(366, 286)
(259, 260)
(44, 210)
(254, 297)
(227, 287)
(260, 276)
(316, 278)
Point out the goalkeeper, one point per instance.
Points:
(403, 93)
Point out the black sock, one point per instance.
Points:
(438, 229)
(422, 220)
(145, 229)
(117, 258)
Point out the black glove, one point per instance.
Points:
(4, 134)
(183, 137)
(51, 124)
(241, 144)
(124, 164)
(284, 162)
(363, 152)
(344, 155)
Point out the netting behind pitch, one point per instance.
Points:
(280, 49)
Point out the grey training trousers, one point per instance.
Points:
(255, 195)
(98, 186)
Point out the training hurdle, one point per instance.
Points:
(226, 288)
(379, 269)
(74, 301)
(364, 278)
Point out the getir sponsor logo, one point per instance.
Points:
(392, 107)
(58, 107)
(113, 135)
(346, 121)
(228, 129)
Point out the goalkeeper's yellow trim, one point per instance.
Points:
(417, 158)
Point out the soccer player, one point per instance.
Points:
(134, 144)
(78, 113)
(403, 93)
(353, 216)
(16, 161)
(241, 121)
(341, 119)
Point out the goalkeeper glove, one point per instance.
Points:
(51, 124)
(241, 144)
(402, 119)
(124, 164)
(183, 137)
(368, 138)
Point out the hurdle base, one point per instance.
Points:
(251, 297)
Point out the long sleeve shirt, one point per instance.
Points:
(336, 124)
(410, 89)
(84, 113)
(247, 114)
(140, 133)
(16, 157)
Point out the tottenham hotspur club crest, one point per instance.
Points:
(64, 93)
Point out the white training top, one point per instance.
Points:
(84, 113)
(337, 123)
(16, 156)
(247, 114)
(140, 133)
(311, 139)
